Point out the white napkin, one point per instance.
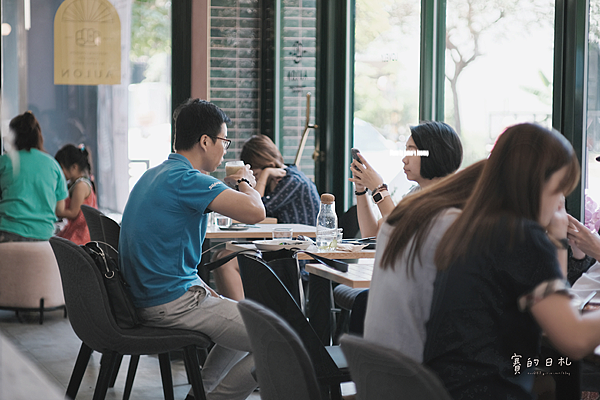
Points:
(350, 247)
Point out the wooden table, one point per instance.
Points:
(358, 275)
(259, 231)
(320, 292)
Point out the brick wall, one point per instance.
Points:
(235, 72)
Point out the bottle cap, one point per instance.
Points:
(327, 198)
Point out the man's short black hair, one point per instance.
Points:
(194, 118)
(444, 146)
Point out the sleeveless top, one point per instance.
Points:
(76, 229)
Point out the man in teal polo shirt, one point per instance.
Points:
(163, 227)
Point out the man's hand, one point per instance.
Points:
(244, 172)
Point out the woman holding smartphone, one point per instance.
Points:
(444, 149)
(503, 265)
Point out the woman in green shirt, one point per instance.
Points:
(32, 185)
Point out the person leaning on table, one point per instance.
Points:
(163, 227)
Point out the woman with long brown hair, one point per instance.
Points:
(402, 284)
(503, 268)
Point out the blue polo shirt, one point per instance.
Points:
(162, 230)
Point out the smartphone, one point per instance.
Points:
(355, 154)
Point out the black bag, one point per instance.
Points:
(107, 261)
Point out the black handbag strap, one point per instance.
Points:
(217, 263)
(335, 264)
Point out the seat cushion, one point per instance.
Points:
(29, 272)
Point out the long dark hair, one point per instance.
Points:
(414, 215)
(509, 191)
(70, 155)
(28, 133)
(444, 146)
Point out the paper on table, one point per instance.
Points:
(350, 247)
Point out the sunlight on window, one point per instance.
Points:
(499, 64)
(386, 85)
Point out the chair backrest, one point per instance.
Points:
(383, 373)
(283, 367)
(92, 219)
(349, 222)
(263, 286)
(111, 229)
(85, 297)
(102, 228)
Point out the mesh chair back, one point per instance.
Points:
(283, 367)
(386, 374)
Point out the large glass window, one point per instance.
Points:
(126, 126)
(499, 64)
(592, 143)
(149, 138)
(386, 84)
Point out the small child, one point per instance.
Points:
(75, 163)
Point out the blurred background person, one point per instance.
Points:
(32, 185)
(76, 165)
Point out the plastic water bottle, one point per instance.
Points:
(327, 223)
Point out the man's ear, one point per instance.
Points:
(203, 142)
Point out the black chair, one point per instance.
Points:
(102, 228)
(385, 374)
(263, 286)
(105, 229)
(91, 319)
(283, 367)
(352, 304)
(348, 221)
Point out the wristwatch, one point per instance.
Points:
(380, 195)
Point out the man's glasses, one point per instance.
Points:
(226, 142)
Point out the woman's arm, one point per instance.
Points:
(263, 178)
(60, 207)
(572, 334)
(364, 176)
(583, 238)
(79, 193)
